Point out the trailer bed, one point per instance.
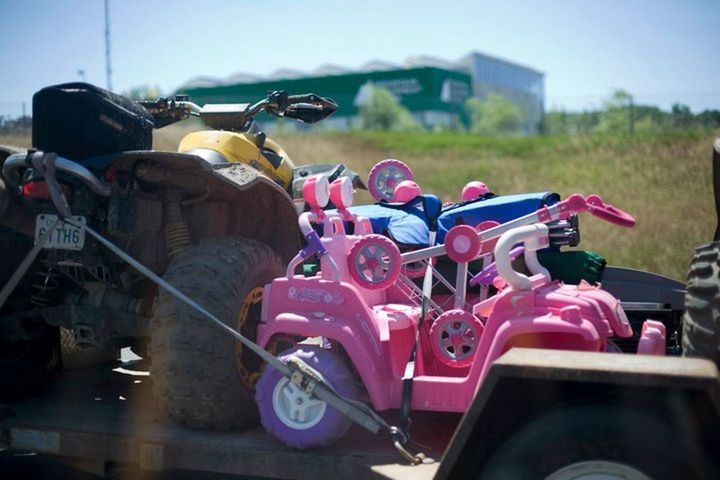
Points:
(103, 415)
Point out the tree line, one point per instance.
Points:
(619, 114)
(496, 115)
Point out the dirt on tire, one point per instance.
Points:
(195, 379)
(701, 322)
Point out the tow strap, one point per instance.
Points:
(432, 208)
(44, 163)
(296, 370)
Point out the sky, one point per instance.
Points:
(660, 51)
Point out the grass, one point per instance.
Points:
(15, 139)
(663, 179)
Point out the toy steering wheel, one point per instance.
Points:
(374, 262)
(385, 176)
(607, 212)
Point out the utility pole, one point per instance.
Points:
(631, 114)
(108, 68)
(81, 73)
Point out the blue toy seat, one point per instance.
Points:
(407, 224)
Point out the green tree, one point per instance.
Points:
(495, 115)
(143, 92)
(615, 116)
(709, 118)
(556, 122)
(381, 110)
(681, 116)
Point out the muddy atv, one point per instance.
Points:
(216, 219)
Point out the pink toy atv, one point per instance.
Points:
(358, 321)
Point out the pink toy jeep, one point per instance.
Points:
(356, 322)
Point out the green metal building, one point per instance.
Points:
(434, 96)
(433, 89)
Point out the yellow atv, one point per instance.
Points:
(217, 219)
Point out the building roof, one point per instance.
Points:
(201, 81)
(286, 73)
(242, 77)
(331, 69)
(375, 65)
(465, 61)
(427, 61)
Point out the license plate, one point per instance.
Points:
(65, 236)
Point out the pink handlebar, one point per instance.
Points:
(576, 203)
(563, 210)
(608, 213)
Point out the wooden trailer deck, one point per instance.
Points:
(103, 416)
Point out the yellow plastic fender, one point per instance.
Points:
(243, 148)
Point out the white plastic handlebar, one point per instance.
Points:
(535, 237)
(305, 220)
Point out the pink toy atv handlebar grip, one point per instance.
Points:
(572, 205)
(607, 212)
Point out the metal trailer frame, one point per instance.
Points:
(83, 421)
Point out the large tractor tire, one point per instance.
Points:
(701, 322)
(597, 441)
(202, 377)
(26, 366)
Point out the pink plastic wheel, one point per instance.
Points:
(385, 176)
(374, 262)
(462, 243)
(454, 337)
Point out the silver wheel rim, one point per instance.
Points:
(295, 408)
(375, 273)
(468, 336)
(392, 174)
(598, 470)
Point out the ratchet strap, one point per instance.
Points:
(298, 371)
(45, 164)
(432, 206)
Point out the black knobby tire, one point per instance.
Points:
(615, 436)
(193, 364)
(25, 366)
(701, 321)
